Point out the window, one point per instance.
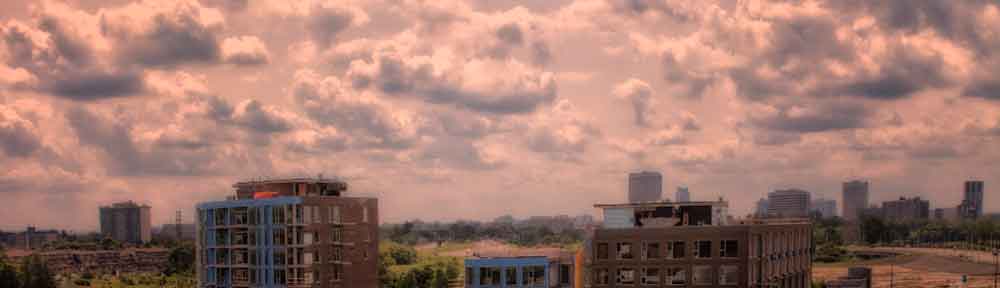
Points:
(279, 276)
(702, 275)
(601, 276)
(729, 249)
(338, 273)
(650, 276)
(316, 216)
(278, 214)
(602, 250)
(729, 275)
(626, 276)
(675, 249)
(703, 249)
(651, 250)
(468, 276)
(336, 234)
(334, 214)
(489, 276)
(279, 237)
(534, 275)
(625, 250)
(337, 253)
(511, 274)
(279, 257)
(676, 276)
(364, 214)
(564, 274)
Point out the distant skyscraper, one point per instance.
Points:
(645, 186)
(906, 209)
(761, 210)
(973, 200)
(683, 195)
(855, 199)
(827, 208)
(126, 222)
(788, 203)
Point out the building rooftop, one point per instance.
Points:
(655, 204)
(126, 204)
(304, 180)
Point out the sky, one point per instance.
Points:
(472, 110)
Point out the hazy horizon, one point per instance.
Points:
(451, 110)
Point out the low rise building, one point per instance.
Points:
(556, 269)
(696, 244)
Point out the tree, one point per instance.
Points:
(8, 275)
(36, 273)
(181, 259)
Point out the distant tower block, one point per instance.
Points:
(645, 186)
(683, 195)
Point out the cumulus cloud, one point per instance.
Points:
(245, 50)
(325, 21)
(812, 118)
(328, 101)
(18, 136)
(639, 93)
(151, 33)
(483, 85)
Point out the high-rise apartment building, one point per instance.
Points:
(645, 186)
(906, 209)
(972, 202)
(788, 203)
(288, 233)
(126, 222)
(855, 199)
(826, 208)
(683, 195)
(693, 244)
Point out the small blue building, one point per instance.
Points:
(519, 271)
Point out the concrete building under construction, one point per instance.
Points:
(691, 244)
(298, 232)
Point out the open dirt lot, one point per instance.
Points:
(916, 268)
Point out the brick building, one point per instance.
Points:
(694, 244)
(288, 233)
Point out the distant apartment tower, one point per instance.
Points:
(855, 199)
(906, 209)
(288, 233)
(126, 222)
(645, 186)
(692, 244)
(683, 195)
(788, 203)
(972, 203)
(826, 208)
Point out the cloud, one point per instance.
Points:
(94, 85)
(639, 94)
(18, 136)
(259, 118)
(149, 33)
(124, 156)
(812, 118)
(482, 85)
(326, 21)
(327, 101)
(245, 51)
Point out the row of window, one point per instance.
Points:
(675, 249)
(280, 214)
(702, 275)
(531, 276)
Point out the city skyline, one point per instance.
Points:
(546, 104)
